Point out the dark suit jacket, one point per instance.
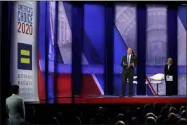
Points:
(168, 72)
(124, 59)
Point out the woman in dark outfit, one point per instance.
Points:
(168, 71)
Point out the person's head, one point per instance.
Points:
(15, 89)
(173, 109)
(182, 121)
(150, 121)
(171, 115)
(164, 111)
(172, 118)
(120, 116)
(183, 114)
(120, 123)
(135, 121)
(182, 108)
(151, 115)
(100, 111)
(129, 51)
(169, 61)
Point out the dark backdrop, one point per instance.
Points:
(5, 55)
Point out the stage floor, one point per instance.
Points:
(118, 100)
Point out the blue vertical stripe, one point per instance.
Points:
(55, 50)
(48, 81)
(141, 48)
(109, 48)
(77, 38)
(172, 41)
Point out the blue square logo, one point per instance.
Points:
(24, 56)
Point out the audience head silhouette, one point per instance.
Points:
(150, 121)
(183, 114)
(15, 89)
(182, 121)
(151, 115)
(120, 115)
(120, 123)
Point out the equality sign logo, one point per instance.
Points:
(24, 56)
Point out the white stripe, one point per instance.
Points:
(93, 76)
(98, 85)
(150, 87)
(181, 43)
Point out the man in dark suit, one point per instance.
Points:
(128, 63)
(168, 71)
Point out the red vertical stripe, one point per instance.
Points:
(41, 83)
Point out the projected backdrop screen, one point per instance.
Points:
(124, 37)
(60, 56)
(182, 50)
(156, 48)
(59, 53)
(93, 54)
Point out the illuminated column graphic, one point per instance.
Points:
(64, 41)
(52, 25)
(23, 60)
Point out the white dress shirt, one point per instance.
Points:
(168, 67)
(128, 59)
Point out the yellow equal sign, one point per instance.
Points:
(25, 52)
(25, 60)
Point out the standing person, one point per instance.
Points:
(168, 71)
(128, 63)
(15, 107)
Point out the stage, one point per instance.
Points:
(119, 100)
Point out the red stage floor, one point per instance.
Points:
(124, 100)
(133, 100)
